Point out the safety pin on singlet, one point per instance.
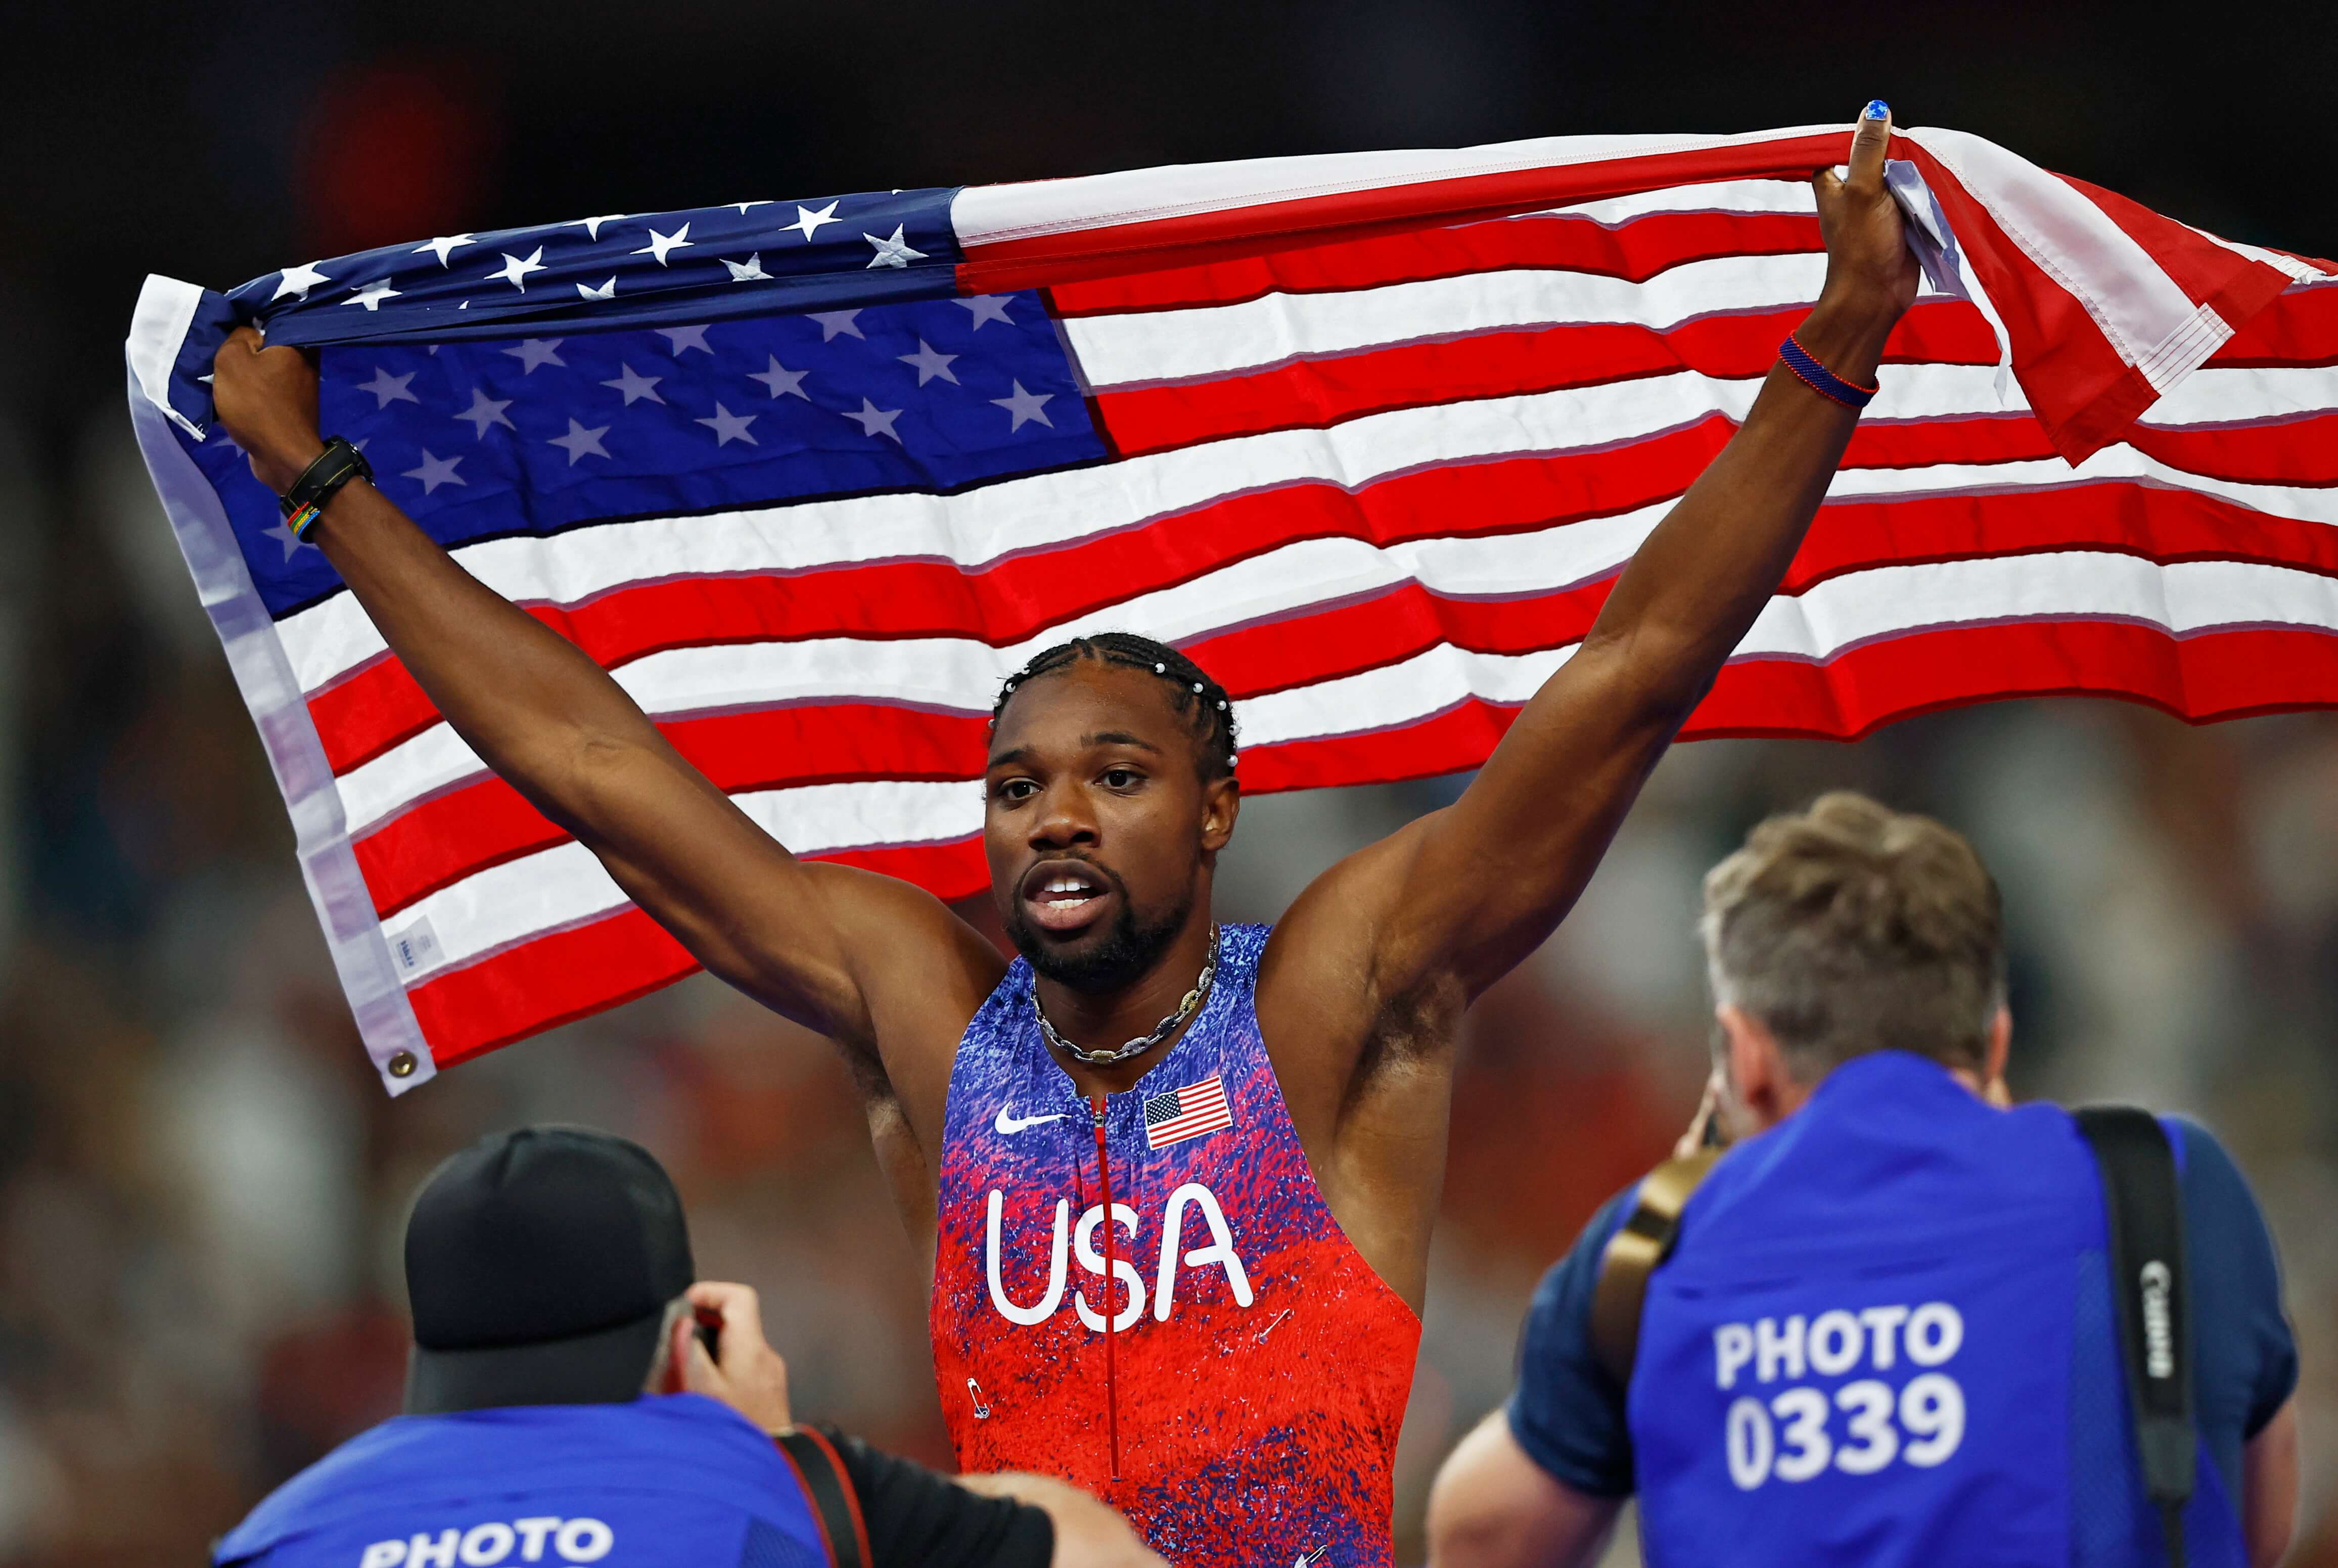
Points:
(1278, 1316)
(981, 1410)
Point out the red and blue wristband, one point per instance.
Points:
(1822, 380)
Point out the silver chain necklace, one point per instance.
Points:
(1143, 1043)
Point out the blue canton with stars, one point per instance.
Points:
(473, 440)
(529, 380)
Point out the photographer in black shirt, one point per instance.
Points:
(574, 1389)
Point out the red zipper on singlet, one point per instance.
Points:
(1111, 1280)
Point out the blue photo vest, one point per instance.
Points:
(674, 1481)
(1869, 1344)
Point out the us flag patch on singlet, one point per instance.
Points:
(1187, 1112)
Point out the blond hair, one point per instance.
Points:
(1850, 927)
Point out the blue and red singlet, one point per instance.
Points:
(1240, 1401)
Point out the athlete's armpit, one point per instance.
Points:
(1466, 892)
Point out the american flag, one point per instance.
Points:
(1370, 435)
(1187, 1112)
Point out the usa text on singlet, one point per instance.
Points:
(1221, 1337)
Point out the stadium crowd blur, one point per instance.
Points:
(201, 1183)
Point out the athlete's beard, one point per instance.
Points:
(1121, 958)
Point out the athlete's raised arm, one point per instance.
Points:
(1448, 904)
(855, 956)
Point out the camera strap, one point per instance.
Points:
(1642, 1241)
(820, 1469)
(2151, 1287)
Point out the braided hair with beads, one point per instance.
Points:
(1200, 700)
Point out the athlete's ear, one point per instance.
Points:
(1221, 804)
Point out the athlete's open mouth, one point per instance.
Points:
(1065, 896)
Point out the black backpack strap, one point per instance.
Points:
(2151, 1287)
(834, 1504)
(1642, 1241)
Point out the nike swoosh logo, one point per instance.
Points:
(1009, 1124)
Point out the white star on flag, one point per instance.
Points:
(750, 271)
(447, 245)
(808, 221)
(659, 244)
(986, 308)
(893, 252)
(436, 471)
(485, 411)
(605, 291)
(1026, 407)
(684, 338)
(538, 351)
(635, 386)
(832, 323)
(282, 534)
(876, 421)
(371, 298)
(930, 362)
(580, 442)
(387, 388)
(782, 381)
(297, 281)
(742, 206)
(729, 427)
(515, 270)
(592, 226)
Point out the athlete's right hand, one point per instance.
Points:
(267, 399)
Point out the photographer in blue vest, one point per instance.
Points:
(575, 1396)
(1884, 1328)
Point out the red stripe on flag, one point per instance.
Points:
(486, 822)
(2300, 327)
(1256, 228)
(1637, 251)
(1319, 392)
(564, 976)
(2218, 675)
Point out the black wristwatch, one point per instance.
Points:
(319, 482)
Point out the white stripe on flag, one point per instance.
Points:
(989, 214)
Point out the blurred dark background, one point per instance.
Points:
(200, 1185)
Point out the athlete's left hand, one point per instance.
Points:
(1871, 275)
(745, 1373)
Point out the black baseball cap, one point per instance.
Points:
(539, 1264)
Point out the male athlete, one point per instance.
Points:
(1238, 1137)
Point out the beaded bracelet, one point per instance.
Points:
(1822, 380)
